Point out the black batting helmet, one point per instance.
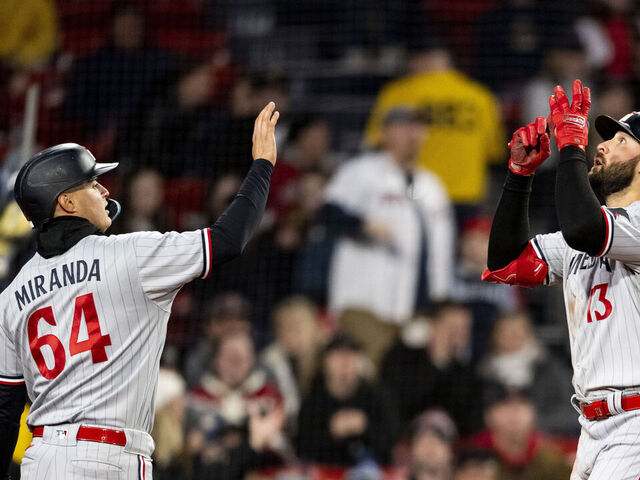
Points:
(51, 172)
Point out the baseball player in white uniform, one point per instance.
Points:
(596, 256)
(83, 324)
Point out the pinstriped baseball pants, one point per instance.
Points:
(609, 448)
(62, 457)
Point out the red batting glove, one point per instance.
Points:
(570, 122)
(529, 147)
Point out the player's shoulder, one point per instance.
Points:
(631, 213)
(151, 236)
(28, 266)
(135, 237)
(7, 304)
(146, 243)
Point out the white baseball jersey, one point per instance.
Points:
(85, 330)
(602, 301)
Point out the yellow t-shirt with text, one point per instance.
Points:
(465, 128)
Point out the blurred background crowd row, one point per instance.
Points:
(353, 339)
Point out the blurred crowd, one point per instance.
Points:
(353, 338)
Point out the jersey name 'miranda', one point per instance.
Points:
(58, 277)
(83, 323)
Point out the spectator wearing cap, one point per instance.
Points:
(465, 130)
(523, 452)
(433, 435)
(393, 227)
(345, 420)
(486, 301)
(227, 312)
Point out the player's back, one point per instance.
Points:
(87, 336)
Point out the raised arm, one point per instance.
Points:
(231, 232)
(579, 213)
(511, 259)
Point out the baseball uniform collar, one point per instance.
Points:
(61, 233)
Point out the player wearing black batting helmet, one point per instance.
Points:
(53, 171)
(83, 323)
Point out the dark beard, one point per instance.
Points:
(610, 179)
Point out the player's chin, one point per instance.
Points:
(105, 223)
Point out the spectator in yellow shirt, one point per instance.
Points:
(465, 129)
(28, 32)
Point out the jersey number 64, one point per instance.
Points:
(96, 342)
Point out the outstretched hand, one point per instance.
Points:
(570, 125)
(264, 140)
(529, 147)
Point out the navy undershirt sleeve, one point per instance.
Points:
(578, 208)
(510, 227)
(234, 228)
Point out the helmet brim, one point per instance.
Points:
(101, 168)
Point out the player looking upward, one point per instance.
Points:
(83, 324)
(596, 256)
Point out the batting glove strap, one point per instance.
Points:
(573, 130)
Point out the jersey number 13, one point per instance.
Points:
(599, 302)
(96, 342)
